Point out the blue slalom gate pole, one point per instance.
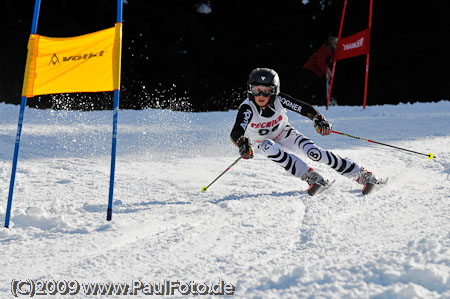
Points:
(37, 7)
(16, 156)
(23, 104)
(113, 155)
(114, 134)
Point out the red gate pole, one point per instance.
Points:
(334, 62)
(367, 57)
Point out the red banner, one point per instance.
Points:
(353, 45)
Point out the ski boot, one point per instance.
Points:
(369, 181)
(316, 182)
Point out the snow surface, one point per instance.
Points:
(255, 228)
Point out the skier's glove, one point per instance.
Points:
(322, 126)
(245, 147)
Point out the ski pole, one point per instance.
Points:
(205, 188)
(430, 155)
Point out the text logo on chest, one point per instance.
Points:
(267, 124)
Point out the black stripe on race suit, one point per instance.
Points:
(288, 133)
(344, 164)
(335, 161)
(275, 156)
(293, 170)
(308, 143)
(285, 156)
(288, 166)
(349, 169)
(329, 158)
(304, 139)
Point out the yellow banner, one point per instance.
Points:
(86, 63)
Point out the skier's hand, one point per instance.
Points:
(322, 126)
(245, 147)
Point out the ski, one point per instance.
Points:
(370, 188)
(317, 188)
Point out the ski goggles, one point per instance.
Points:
(261, 90)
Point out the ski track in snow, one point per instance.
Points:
(256, 227)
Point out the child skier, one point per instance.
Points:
(262, 119)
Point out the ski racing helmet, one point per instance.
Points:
(264, 77)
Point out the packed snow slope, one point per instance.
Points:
(256, 228)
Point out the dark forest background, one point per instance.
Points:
(176, 57)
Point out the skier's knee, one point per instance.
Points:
(268, 147)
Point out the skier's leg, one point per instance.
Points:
(290, 162)
(275, 152)
(297, 143)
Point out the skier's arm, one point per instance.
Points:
(298, 106)
(322, 126)
(243, 118)
(237, 134)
